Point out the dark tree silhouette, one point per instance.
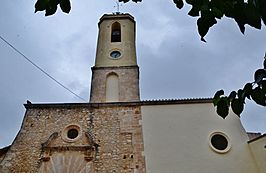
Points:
(250, 12)
(255, 91)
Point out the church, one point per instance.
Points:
(117, 132)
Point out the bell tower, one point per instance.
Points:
(115, 75)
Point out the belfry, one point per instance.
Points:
(115, 76)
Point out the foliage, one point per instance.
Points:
(50, 6)
(255, 91)
(249, 12)
(244, 12)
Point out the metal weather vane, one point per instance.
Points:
(117, 6)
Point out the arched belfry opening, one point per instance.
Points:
(116, 32)
(112, 87)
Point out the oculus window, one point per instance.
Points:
(115, 54)
(71, 133)
(219, 142)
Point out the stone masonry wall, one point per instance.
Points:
(110, 140)
(119, 134)
(128, 83)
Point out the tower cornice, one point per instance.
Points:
(115, 67)
(116, 16)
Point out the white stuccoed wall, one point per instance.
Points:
(176, 140)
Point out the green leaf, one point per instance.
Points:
(259, 75)
(41, 5)
(204, 4)
(203, 28)
(217, 96)
(52, 7)
(191, 2)
(239, 15)
(54, 2)
(125, 1)
(232, 95)
(261, 5)
(179, 3)
(253, 16)
(194, 12)
(229, 8)
(50, 10)
(241, 25)
(264, 63)
(136, 1)
(65, 6)
(219, 93)
(248, 90)
(204, 8)
(237, 106)
(215, 101)
(241, 94)
(196, 7)
(217, 3)
(263, 15)
(259, 96)
(217, 13)
(222, 107)
(263, 86)
(206, 21)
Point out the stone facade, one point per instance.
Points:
(109, 140)
(93, 137)
(128, 83)
(177, 135)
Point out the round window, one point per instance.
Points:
(219, 142)
(115, 54)
(72, 133)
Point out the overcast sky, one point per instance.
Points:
(173, 62)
